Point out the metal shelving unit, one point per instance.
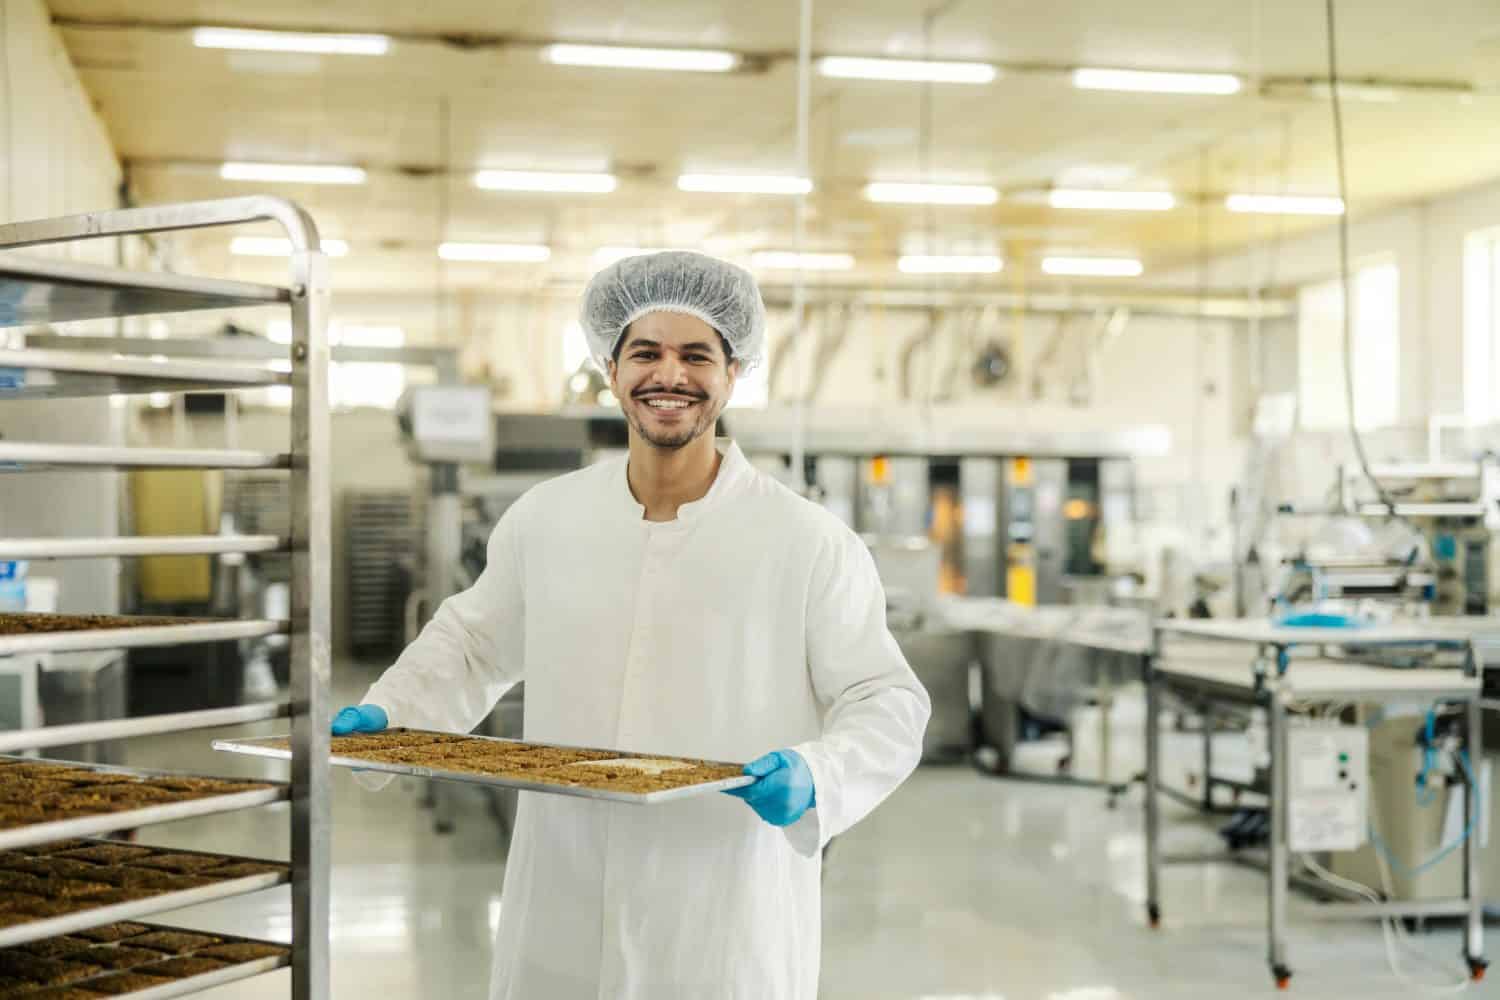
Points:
(34, 291)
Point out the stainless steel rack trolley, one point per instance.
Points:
(34, 290)
(1286, 665)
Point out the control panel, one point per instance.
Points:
(1328, 786)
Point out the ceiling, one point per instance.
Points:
(463, 87)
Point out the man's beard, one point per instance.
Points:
(671, 440)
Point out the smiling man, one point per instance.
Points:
(674, 602)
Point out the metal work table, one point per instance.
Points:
(1273, 678)
(979, 620)
(49, 291)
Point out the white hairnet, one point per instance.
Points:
(717, 292)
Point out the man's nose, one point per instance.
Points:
(671, 370)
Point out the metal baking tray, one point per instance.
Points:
(46, 927)
(208, 980)
(88, 826)
(189, 631)
(261, 748)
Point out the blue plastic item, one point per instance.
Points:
(360, 719)
(784, 791)
(1321, 619)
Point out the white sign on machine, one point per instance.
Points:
(452, 423)
(1327, 787)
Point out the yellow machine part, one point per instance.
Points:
(1020, 585)
(175, 502)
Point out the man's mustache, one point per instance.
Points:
(649, 390)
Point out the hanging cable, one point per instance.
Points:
(797, 340)
(1344, 284)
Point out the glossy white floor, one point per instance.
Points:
(960, 887)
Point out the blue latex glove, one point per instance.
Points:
(359, 719)
(784, 789)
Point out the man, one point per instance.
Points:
(674, 602)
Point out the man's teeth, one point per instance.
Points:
(667, 404)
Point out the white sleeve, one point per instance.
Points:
(470, 653)
(875, 709)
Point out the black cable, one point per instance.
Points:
(1343, 228)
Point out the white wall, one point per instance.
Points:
(55, 159)
(1427, 241)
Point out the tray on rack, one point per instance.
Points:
(26, 632)
(37, 290)
(69, 374)
(143, 961)
(587, 772)
(43, 801)
(65, 886)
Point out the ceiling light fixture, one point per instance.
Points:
(950, 264)
(1093, 267)
(495, 253)
(292, 173)
(625, 57)
(279, 246)
(787, 260)
(1284, 204)
(544, 180)
(1149, 81)
(931, 194)
(322, 43)
(1125, 201)
(744, 183)
(914, 70)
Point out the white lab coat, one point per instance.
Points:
(754, 621)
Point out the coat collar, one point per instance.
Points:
(733, 471)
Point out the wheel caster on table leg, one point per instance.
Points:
(1477, 969)
(1283, 977)
(1153, 916)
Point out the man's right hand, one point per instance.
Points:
(359, 719)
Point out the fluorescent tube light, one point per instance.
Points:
(786, 260)
(1156, 82)
(1093, 267)
(544, 180)
(932, 194)
(495, 253)
(292, 173)
(623, 57)
(924, 264)
(279, 246)
(744, 183)
(1127, 201)
(323, 43)
(915, 70)
(1284, 204)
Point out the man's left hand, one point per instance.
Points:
(783, 790)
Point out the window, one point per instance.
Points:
(1481, 325)
(1374, 315)
(351, 383)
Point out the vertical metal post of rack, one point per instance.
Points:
(310, 621)
(1276, 712)
(1473, 891)
(1153, 783)
(1207, 721)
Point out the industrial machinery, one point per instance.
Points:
(1455, 506)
